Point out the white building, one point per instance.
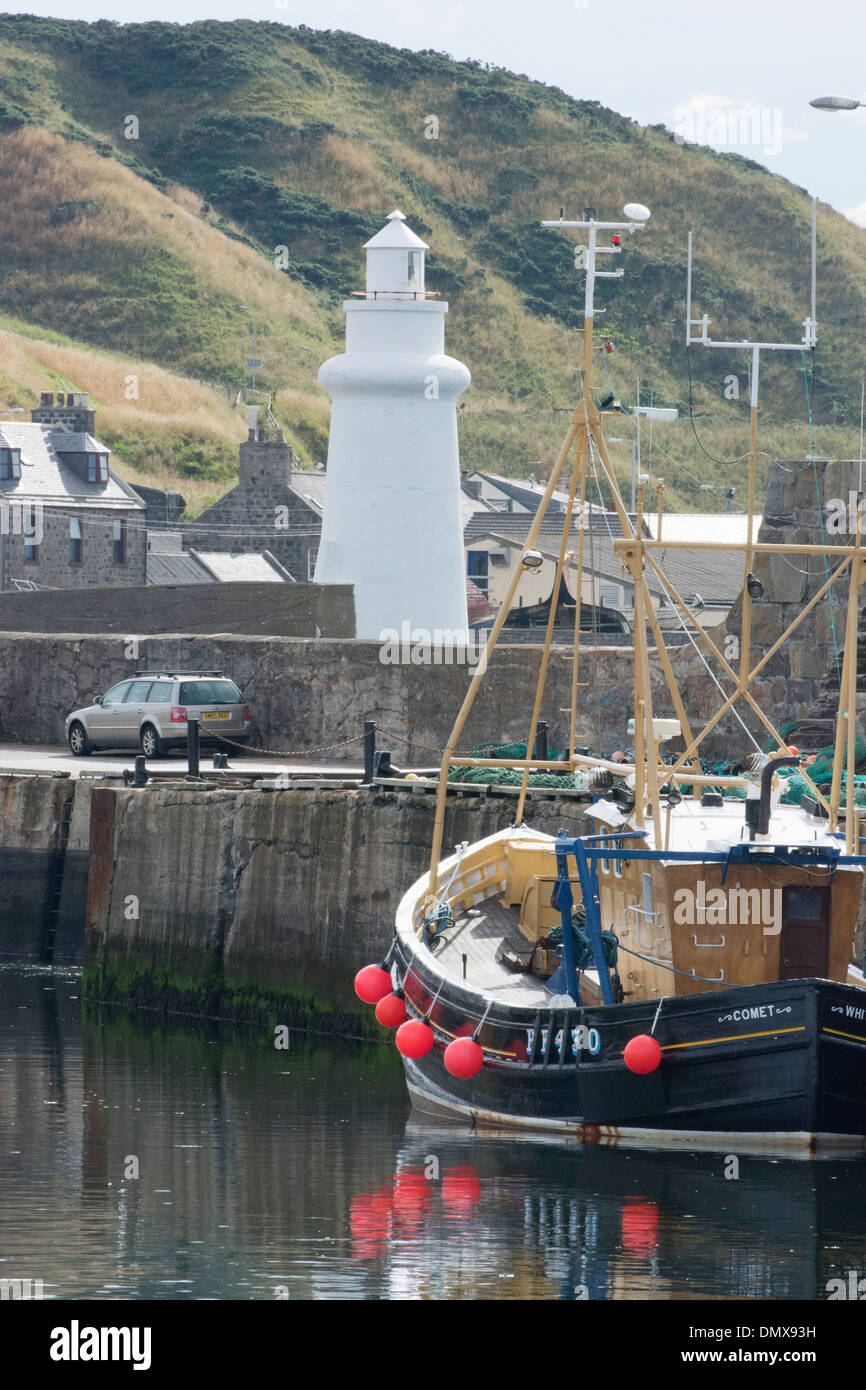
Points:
(392, 524)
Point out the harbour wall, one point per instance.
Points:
(44, 856)
(317, 693)
(229, 902)
(264, 904)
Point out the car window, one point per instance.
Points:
(116, 693)
(138, 691)
(160, 693)
(209, 693)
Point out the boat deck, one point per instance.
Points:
(478, 936)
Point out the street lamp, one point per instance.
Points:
(252, 361)
(835, 103)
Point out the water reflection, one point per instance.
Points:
(264, 1173)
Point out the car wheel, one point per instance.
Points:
(79, 743)
(152, 745)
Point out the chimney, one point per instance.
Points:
(264, 462)
(72, 412)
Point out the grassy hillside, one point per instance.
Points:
(251, 137)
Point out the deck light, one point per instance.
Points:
(754, 586)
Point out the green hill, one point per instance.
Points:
(156, 177)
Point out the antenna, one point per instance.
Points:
(810, 324)
(637, 215)
(703, 338)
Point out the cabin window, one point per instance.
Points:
(617, 863)
(75, 542)
(649, 914)
(312, 556)
(604, 865)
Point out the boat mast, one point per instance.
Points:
(584, 422)
(586, 258)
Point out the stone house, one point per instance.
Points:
(67, 521)
(271, 509)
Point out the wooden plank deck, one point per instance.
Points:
(479, 938)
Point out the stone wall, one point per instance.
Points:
(273, 610)
(311, 693)
(799, 510)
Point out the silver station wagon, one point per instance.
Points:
(151, 711)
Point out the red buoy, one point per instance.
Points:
(642, 1054)
(372, 983)
(464, 1057)
(414, 1039)
(391, 1010)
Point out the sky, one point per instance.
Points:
(735, 74)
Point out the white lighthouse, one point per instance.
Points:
(392, 522)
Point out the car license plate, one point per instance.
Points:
(215, 714)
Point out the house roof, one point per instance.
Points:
(730, 527)
(176, 569)
(47, 475)
(257, 567)
(311, 487)
(476, 604)
(517, 524)
(213, 567)
(716, 575)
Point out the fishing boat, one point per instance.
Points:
(682, 975)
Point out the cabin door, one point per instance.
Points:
(803, 945)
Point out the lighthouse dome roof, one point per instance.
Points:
(396, 234)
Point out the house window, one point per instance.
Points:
(476, 569)
(10, 464)
(120, 542)
(31, 531)
(97, 468)
(75, 545)
(312, 556)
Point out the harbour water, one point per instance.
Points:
(186, 1161)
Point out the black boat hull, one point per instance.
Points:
(784, 1062)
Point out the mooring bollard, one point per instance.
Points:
(369, 751)
(541, 739)
(139, 777)
(192, 749)
(221, 761)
